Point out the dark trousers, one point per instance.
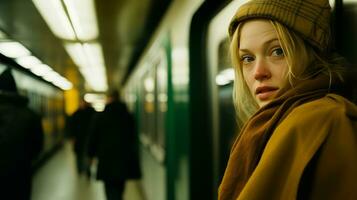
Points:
(114, 189)
(82, 164)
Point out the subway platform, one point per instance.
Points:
(57, 179)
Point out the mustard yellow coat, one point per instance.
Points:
(324, 130)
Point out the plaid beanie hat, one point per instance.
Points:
(309, 18)
(7, 82)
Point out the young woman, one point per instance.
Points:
(299, 139)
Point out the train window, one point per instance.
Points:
(153, 105)
(148, 107)
(161, 93)
(225, 74)
(131, 98)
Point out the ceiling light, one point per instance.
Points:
(91, 97)
(89, 59)
(13, 49)
(56, 18)
(76, 52)
(83, 18)
(95, 53)
(52, 75)
(76, 20)
(96, 100)
(28, 61)
(63, 84)
(41, 69)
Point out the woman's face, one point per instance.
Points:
(262, 60)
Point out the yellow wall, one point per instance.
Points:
(72, 96)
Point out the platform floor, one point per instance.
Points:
(58, 180)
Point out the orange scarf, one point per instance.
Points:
(248, 147)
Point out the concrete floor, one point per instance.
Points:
(58, 180)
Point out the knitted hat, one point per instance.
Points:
(309, 18)
(7, 82)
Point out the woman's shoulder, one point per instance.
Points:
(329, 113)
(310, 124)
(329, 106)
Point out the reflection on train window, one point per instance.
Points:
(149, 106)
(225, 73)
(161, 93)
(153, 106)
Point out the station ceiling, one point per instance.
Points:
(125, 26)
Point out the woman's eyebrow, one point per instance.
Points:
(244, 50)
(271, 41)
(266, 43)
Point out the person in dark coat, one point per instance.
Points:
(21, 140)
(113, 142)
(78, 126)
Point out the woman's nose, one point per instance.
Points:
(261, 71)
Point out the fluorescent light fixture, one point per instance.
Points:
(13, 49)
(95, 53)
(41, 69)
(75, 20)
(96, 81)
(91, 97)
(89, 59)
(97, 100)
(67, 86)
(24, 58)
(51, 76)
(83, 18)
(56, 18)
(28, 61)
(76, 52)
(61, 82)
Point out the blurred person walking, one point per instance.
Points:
(21, 140)
(113, 142)
(78, 127)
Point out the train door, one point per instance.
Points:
(222, 75)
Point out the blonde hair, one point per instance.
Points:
(302, 60)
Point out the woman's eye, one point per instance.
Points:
(246, 59)
(278, 52)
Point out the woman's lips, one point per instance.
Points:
(265, 92)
